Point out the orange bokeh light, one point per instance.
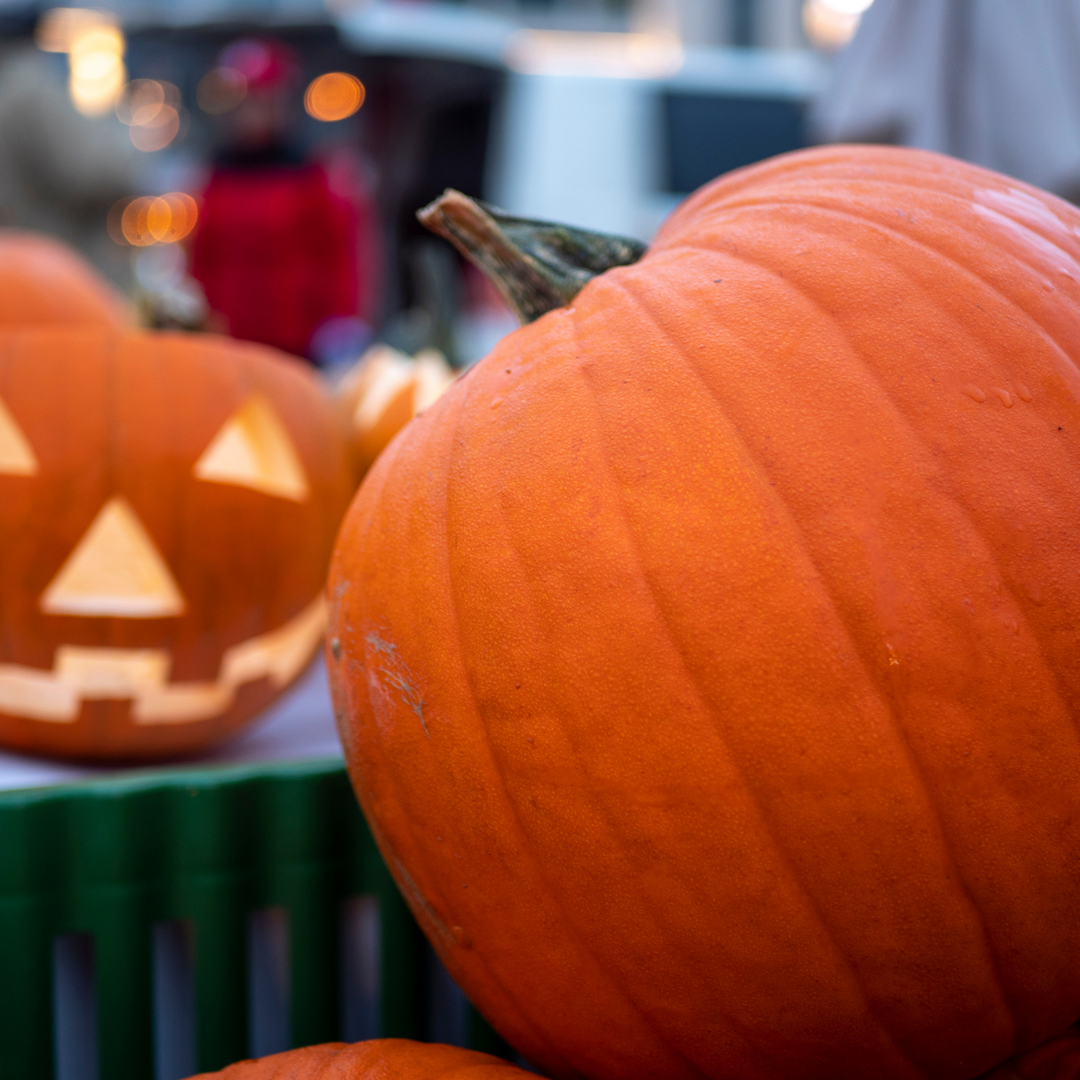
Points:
(333, 96)
(161, 219)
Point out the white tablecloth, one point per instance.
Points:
(297, 727)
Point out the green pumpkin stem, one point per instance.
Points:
(537, 266)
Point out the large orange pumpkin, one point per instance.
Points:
(168, 504)
(708, 660)
(43, 281)
(378, 1059)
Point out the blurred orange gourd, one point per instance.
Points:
(45, 282)
(381, 393)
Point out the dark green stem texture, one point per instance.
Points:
(537, 266)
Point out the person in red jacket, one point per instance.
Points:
(276, 246)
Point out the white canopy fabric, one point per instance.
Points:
(996, 82)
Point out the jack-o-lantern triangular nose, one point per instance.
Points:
(254, 450)
(16, 457)
(115, 570)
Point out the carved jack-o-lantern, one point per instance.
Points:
(168, 504)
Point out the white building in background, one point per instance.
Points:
(610, 130)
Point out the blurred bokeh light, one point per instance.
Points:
(831, 24)
(333, 96)
(153, 219)
(151, 109)
(95, 48)
(58, 28)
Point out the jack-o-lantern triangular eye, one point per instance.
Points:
(115, 570)
(254, 450)
(16, 457)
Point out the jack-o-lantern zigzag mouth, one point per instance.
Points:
(141, 675)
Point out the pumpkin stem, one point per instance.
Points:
(537, 266)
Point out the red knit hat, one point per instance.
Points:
(264, 63)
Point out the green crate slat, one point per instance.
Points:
(219, 917)
(403, 970)
(304, 833)
(113, 857)
(403, 964)
(312, 906)
(211, 884)
(122, 954)
(26, 1005)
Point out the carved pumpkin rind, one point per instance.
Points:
(708, 660)
(162, 561)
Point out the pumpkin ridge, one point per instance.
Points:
(809, 195)
(965, 271)
(901, 414)
(853, 639)
(947, 491)
(767, 820)
(886, 226)
(918, 170)
(571, 930)
(732, 1024)
(884, 689)
(993, 289)
(181, 500)
(391, 456)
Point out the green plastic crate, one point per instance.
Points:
(114, 857)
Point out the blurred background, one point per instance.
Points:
(254, 166)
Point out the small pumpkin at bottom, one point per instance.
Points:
(377, 1059)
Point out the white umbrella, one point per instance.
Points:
(996, 82)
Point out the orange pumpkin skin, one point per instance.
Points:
(377, 1059)
(708, 659)
(1056, 1059)
(152, 601)
(43, 281)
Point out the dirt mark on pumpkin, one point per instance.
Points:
(388, 663)
(425, 912)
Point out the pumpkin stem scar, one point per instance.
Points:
(537, 266)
